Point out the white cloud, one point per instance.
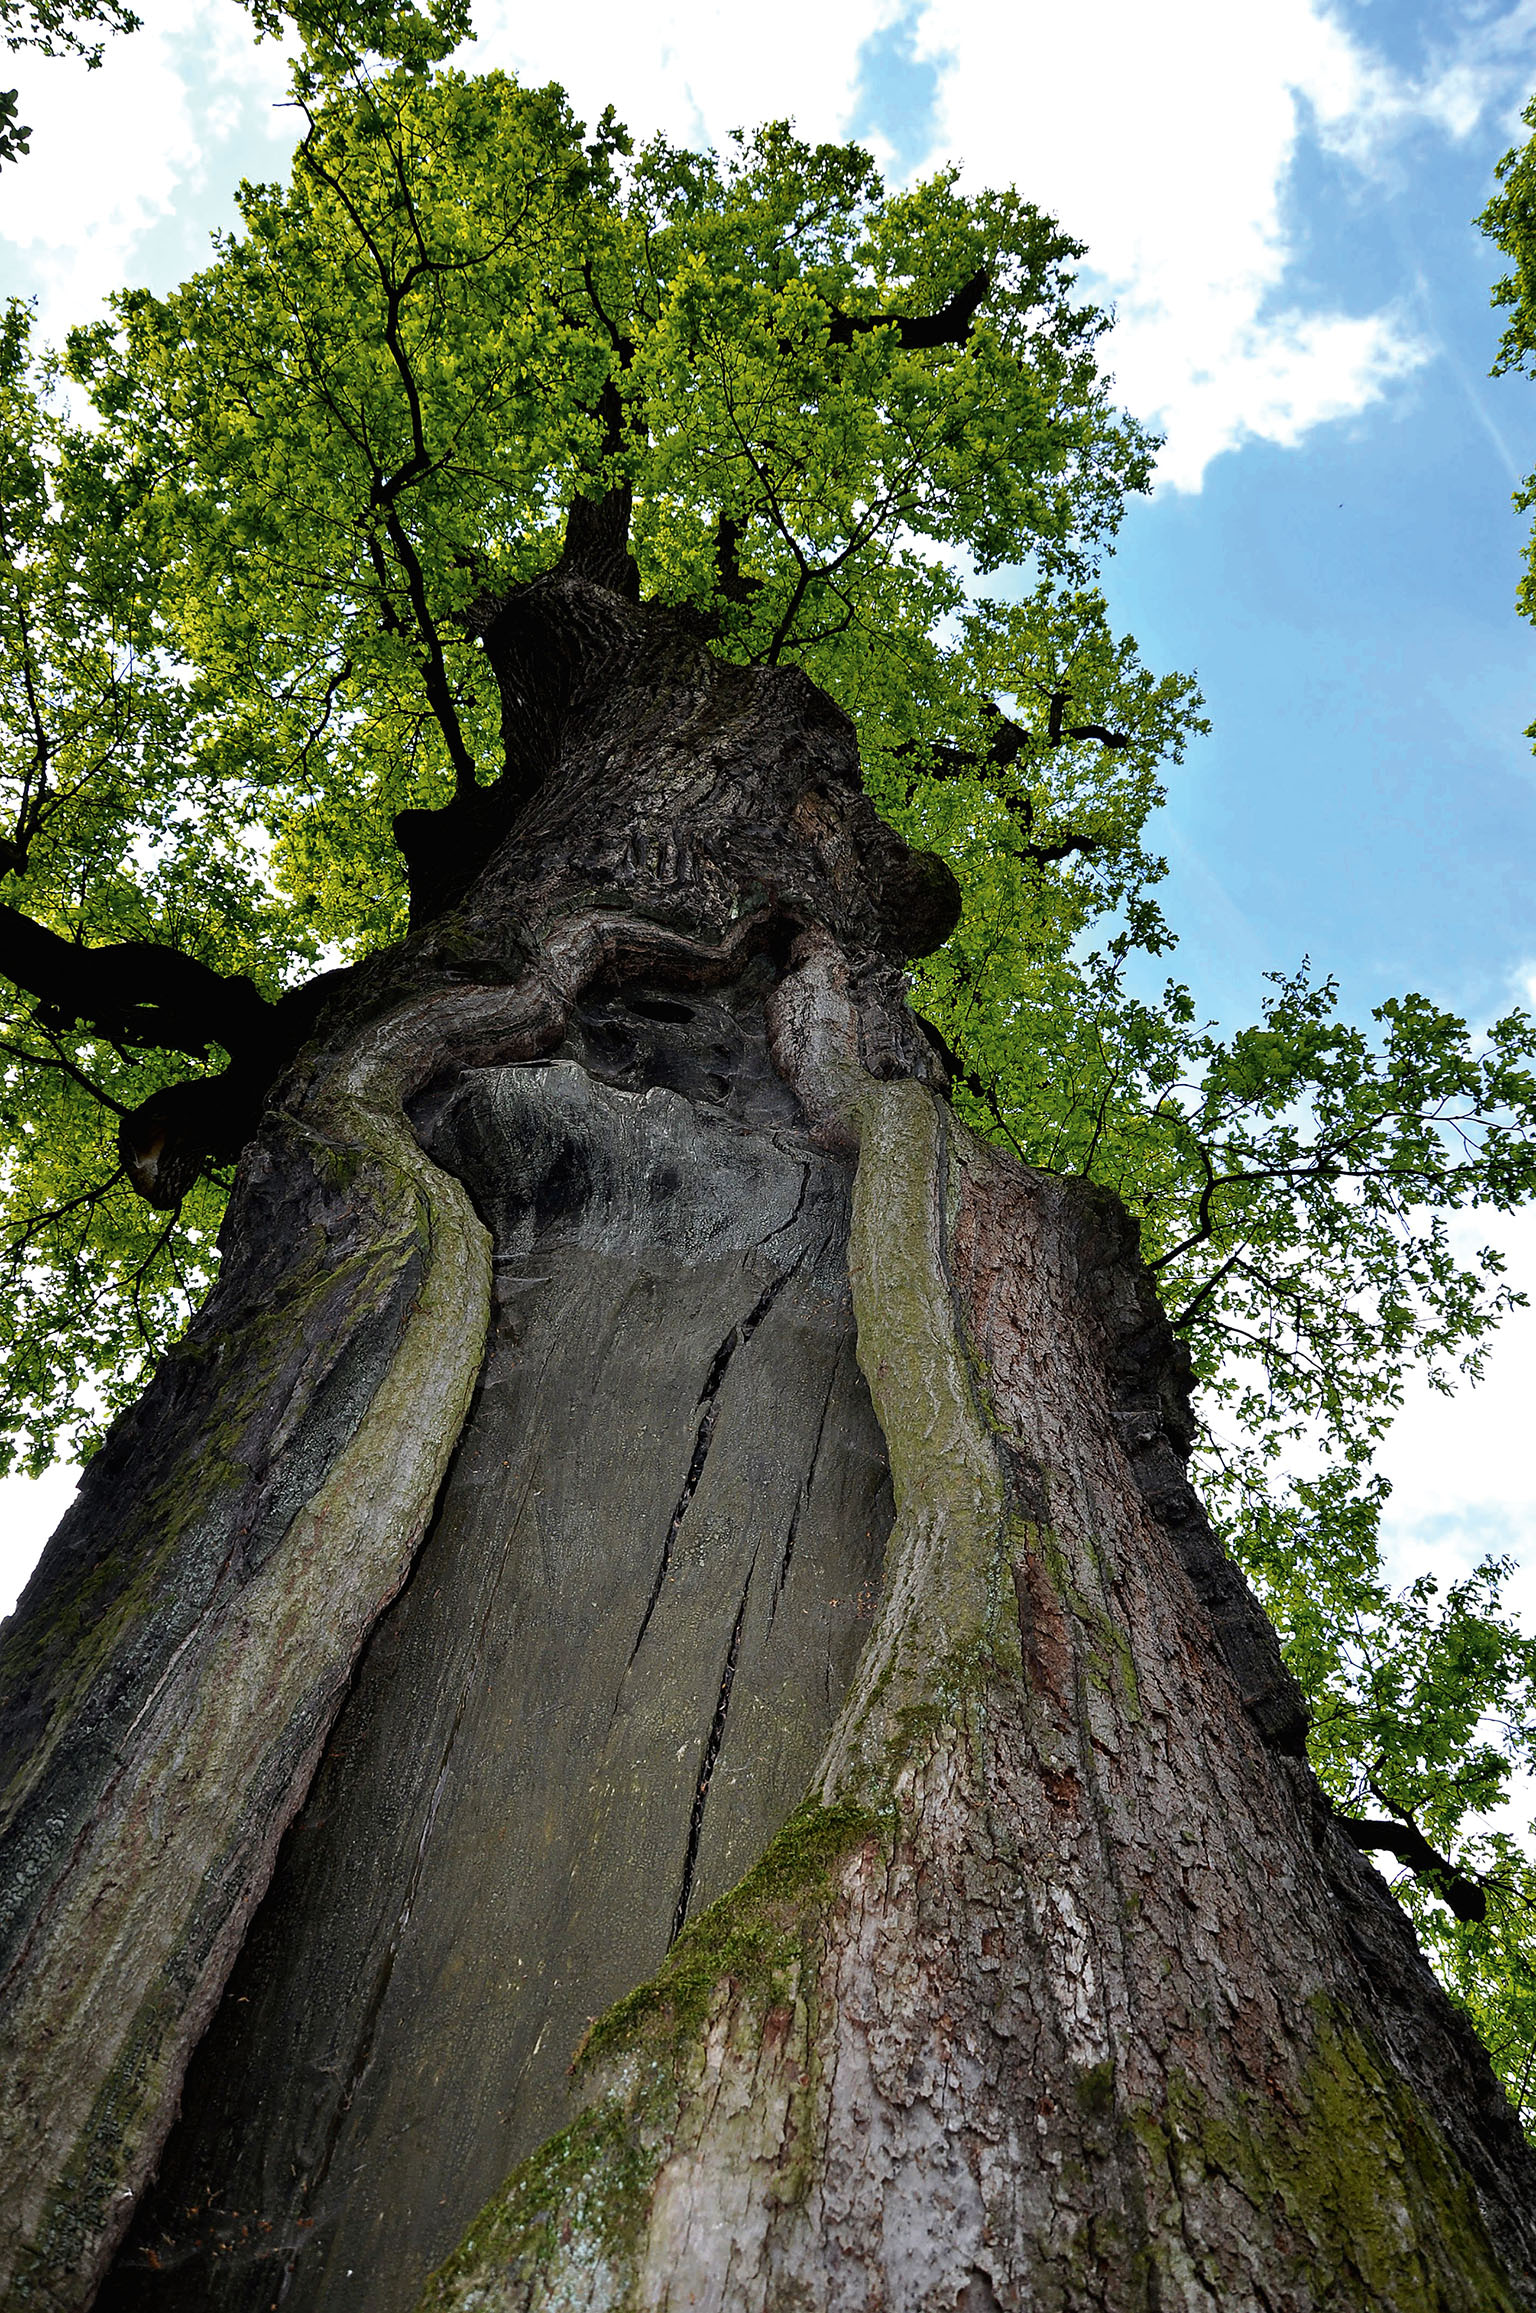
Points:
(1481, 62)
(693, 70)
(1213, 373)
(1171, 155)
(117, 152)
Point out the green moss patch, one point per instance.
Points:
(752, 1938)
(1366, 2200)
(584, 2197)
(585, 2194)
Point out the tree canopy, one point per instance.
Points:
(250, 533)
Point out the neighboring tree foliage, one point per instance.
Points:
(330, 39)
(860, 431)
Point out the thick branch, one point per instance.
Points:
(597, 529)
(1047, 854)
(179, 1132)
(730, 578)
(133, 992)
(597, 542)
(918, 333)
(434, 664)
(947, 761)
(1008, 741)
(137, 993)
(1058, 729)
(1408, 1843)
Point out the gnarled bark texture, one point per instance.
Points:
(662, 1544)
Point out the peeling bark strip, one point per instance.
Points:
(1062, 1990)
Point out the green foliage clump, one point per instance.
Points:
(57, 27)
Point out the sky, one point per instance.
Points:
(1278, 203)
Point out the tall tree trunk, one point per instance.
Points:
(692, 1550)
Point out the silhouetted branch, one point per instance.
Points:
(922, 332)
(132, 992)
(1408, 1843)
(732, 581)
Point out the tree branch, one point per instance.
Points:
(66, 1067)
(730, 578)
(133, 992)
(386, 488)
(918, 333)
(137, 993)
(1010, 739)
(1407, 1842)
(1046, 854)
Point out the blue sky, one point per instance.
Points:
(1366, 793)
(1279, 202)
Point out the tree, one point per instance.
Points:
(663, 1535)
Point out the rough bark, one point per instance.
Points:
(1049, 1981)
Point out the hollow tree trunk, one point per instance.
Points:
(662, 1543)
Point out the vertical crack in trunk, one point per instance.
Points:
(707, 1763)
(784, 1227)
(709, 1395)
(786, 1556)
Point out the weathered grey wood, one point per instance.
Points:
(605, 1688)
